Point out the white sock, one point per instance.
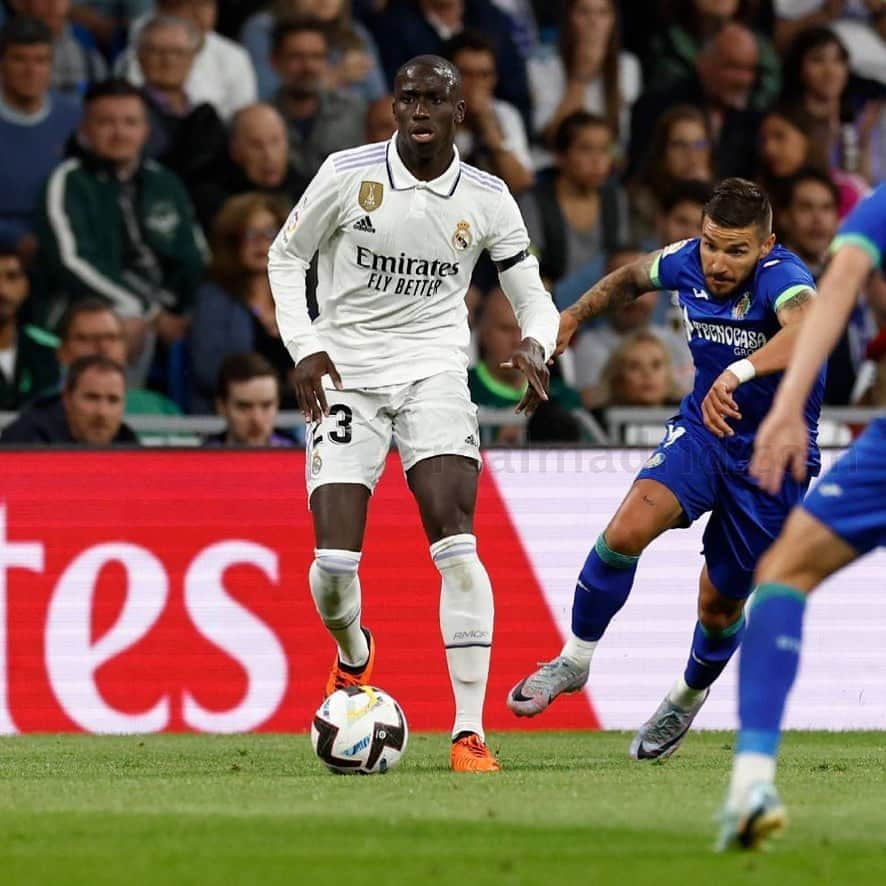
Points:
(580, 651)
(683, 695)
(335, 588)
(466, 616)
(747, 769)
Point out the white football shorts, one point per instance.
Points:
(433, 416)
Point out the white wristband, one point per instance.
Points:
(743, 370)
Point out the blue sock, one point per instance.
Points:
(711, 651)
(603, 587)
(768, 666)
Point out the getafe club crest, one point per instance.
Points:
(741, 307)
(370, 195)
(462, 238)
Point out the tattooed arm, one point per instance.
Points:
(775, 355)
(613, 291)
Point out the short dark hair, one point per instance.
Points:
(24, 30)
(83, 365)
(810, 174)
(237, 368)
(685, 191)
(470, 41)
(90, 305)
(572, 124)
(9, 251)
(113, 87)
(739, 203)
(296, 25)
(443, 67)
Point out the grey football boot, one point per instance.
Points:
(534, 693)
(665, 730)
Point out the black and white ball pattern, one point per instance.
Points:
(360, 730)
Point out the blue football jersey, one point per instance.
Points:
(721, 331)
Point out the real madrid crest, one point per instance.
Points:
(291, 225)
(316, 464)
(370, 196)
(462, 238)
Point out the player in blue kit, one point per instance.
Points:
(742, 297)
(843, 518)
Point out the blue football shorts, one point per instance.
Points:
(699, 470)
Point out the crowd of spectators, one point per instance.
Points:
(152, 149)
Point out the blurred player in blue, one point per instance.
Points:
(742, 297)
(843, 518)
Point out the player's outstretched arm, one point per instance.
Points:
(718, 404)
(782, 440)
(613, 291)
(529, 358)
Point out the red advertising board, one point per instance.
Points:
(162, 590)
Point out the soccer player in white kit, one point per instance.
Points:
(399, 226)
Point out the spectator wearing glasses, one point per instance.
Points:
(355, 63)
(222, 73)
(234, 309)
(88, 327)
(320, 119)
(679, 151)
(721, 87)
(187, 137)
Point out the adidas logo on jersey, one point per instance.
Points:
(364, 224)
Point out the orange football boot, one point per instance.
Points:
(470, 754)
(342, 676)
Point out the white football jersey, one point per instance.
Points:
(395, 261)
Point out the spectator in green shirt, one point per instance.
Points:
(90, 327)
(27, 359)
(498, 387)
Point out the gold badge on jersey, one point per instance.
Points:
(370, 195)
(462, 238)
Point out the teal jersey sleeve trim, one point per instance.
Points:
(862, 242)
(791, 291)
(612, 558)
(654, 270)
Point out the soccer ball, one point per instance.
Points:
(360, 730)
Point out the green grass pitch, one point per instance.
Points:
(569, 808)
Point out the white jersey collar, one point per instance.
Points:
(403, 180)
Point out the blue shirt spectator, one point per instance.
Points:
(34, 126)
